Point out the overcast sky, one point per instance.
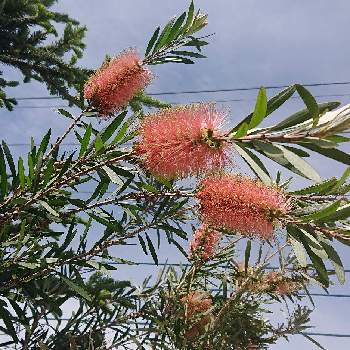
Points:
(256, 43)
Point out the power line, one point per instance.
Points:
(335, 335)
(145, 263)
(205, 91)
(177, 102)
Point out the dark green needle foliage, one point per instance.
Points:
(41, 44)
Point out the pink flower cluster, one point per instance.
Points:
(182, 141)
(197, 303)
(204, 242)
(117, 82)
(240, 204)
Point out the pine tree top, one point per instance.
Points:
(31, 43)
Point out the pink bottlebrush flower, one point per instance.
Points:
(241, 204)
(204, 242)
(116, 82)
(287, 287)
(197, 303)
(182, 141)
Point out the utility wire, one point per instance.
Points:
(177, 102)
(205, 91)
(218, 101)
(144, 263)
(335, 335)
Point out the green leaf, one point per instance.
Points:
(320, 268)
(3, 175)
(121, 133)
(44, 142)
(322, 213)
(254, 163)
(274, 103)
(247, 255)
(112, 175)
(30, 167)
(320, 188)
(333, 153)
(112, 127)
(312, 341)
(342, 213)
(10, 162)
(310, 103)
(6, 317)
(143, 244)
(179, 247)
(152, 41)
(189, 19)
(85, 141)
(174, 59)
(336, 262)
(242, 131)
(302, 116)
(48, 208)
(260, 109)
(21, 174)
(48, 171)
(151, 249)
(188, 53)
(342, 180)
(305, 238)
(299, 152)
(197, 43)
(77, 288)
(299, 252)
(273, 152)
(278, 100)
(176, 29)
(164, 36)
(300, 164)
(98, 143)
(65, 113)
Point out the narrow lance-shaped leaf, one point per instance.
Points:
(247, 255)
(302, 116)
(163, 36)
(260, 109)
(10, 162)
(112, 127)
(8, 321)
(310, 103)
(49, 208)
(98, 143)
(189, 19)
(299, 252)
(336, 261)
(143, 244)
(321, 214)
(77, 288)
(176, 28)
(44, 142)
(300, 164)
(254, 163)
(274, 103)
(342, 180)
(3, 175)
(152, 41)
(85, 141)
(151, 249)
(332, 153)
(21, 174)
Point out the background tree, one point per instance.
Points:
(219, 298)
(32, 43)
